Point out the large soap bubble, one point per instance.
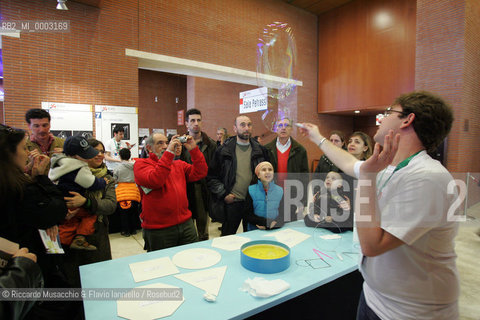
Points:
(271, 117)
(276, 60)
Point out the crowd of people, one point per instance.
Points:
(69, 188)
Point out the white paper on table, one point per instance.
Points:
(152, 269)
(289, 237)
(263, 288)
(150, 309)
(331, 236)
(52, 247)
(196, 258)
(229, 243)
(209, 280)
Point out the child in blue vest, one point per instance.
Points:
(264, 199)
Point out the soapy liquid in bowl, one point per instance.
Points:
(265, 251)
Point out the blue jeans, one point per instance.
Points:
(364, 312)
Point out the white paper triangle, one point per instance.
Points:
(209, 280)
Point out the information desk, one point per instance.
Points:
(306, 272)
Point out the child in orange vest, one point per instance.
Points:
(128, 195)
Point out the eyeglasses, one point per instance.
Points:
(283, 125)
(389, 111)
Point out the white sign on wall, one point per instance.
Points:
(70, 119)
(162, 131)
(107, 117)
(171, 132)
(254, 100)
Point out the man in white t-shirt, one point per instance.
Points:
(113, 147)
(404, 213)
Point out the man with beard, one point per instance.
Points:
(166, 219)
(197, 192)
(232, 171)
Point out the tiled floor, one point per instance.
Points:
(128, 246)
(467, 247)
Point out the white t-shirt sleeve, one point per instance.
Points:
(356, 168)
(108, 146)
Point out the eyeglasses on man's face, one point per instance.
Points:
(389, 111)
(283, 125)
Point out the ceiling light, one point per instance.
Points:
(61, 5)
(357, 111)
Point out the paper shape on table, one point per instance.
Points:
(289, 237)
(229, 243)
(331, 236)
(209, 280)
(152, 269)
(196, 258)
(51, 247)
(150, 309)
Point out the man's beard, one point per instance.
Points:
(244, 136)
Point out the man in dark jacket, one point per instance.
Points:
(232, 171)
(197, 192)
(289, 160)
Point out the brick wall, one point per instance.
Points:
(440, 64)
(469, 150)
(470, 127)
(86, 65)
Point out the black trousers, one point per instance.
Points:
(129, 218)
(233, 217)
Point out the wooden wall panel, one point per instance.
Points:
(157, 99)
(366, 54)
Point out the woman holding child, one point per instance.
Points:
(101, 203)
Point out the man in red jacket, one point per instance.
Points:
(166, 220)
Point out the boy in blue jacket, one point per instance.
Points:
(264, 199)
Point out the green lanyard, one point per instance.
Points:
(401, 165)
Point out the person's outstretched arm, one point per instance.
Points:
(341, 158)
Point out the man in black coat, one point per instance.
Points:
(231, 172)
(197, 192)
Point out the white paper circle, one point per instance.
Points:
(197, 258)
